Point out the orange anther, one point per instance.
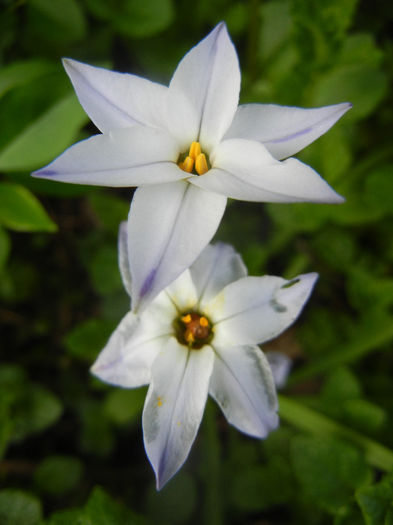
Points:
(187, 165)
(195, 150)
(203, 321)
(201, 166)
(186, 319)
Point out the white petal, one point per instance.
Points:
(243, 169)
(284, 130)
(255, 309)
(116, 100)
(280, 365)
(204, 91)
(168, 227)
(217, 266)
(124, 263)
(127, 358)
(182, 292)
(124, 157)
(174, 406)
(243, 385)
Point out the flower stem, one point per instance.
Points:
(211, 471)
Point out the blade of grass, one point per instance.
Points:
(316, 423)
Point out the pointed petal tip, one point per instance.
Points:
(44, 174)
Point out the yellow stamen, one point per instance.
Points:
(159, 401)
(203, 321)
(187, 165)
(190, 338)
(186, 319)
(201, 166)
(195, 150)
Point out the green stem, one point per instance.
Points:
(312, 421)
(213, 507)
(370, 340)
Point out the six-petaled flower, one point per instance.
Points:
(199, 336)
(188, 147)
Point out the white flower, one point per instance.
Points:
(188, 147)
(199, 336)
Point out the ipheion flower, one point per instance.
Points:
(199, 336)
(188, 147)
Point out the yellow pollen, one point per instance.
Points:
(195, 150)
(201, 166)
(203, 321)
(186, 319)
(159, 401)
(190, 337)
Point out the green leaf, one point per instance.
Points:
(21, 211)
(328, 470)
(45, 138)
(104, 270)
(316, 423)
(376, 502)
(109, 209)
(19, 508)
(68, 517)
(362, 85)
(379, 189)
(60, 20)
(58, 474)
(256, 487)
(87, 339)
(23, 72)
(36, 409)
(101, 509)
(124, 406)
(134, 18)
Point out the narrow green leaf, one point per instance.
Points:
(21, 211)
(45, 138)
(372, 335)
(22, 72)
(312, 421)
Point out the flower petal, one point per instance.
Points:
(124, 157)
(124, 263)
(253, 310)
(204, 91)
(280, 365)
(243, 169)
(127, 358)
(168, 227)
(284, 130)
(217, 266)
(182, 292)
(243, 386)
(174, 406)
(116, 100)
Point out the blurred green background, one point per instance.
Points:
(71, 447)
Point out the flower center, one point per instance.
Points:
(195, 162)
(193, 330)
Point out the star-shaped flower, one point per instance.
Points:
(199, 336)
(188, 147)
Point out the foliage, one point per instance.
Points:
(71, 447)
